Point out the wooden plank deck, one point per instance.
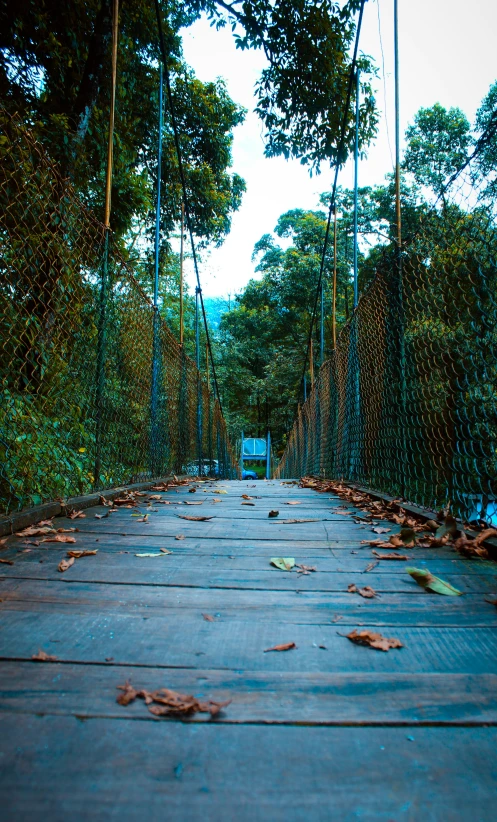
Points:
(328, 731)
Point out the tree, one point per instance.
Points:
(301, 94)
(55, 71)
(437, 146)
(486, 127)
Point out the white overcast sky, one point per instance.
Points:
(447, 54)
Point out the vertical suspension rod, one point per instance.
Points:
(159, 178)
(356, 183)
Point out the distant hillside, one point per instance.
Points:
(215, 307)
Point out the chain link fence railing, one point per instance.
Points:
(407, 403)
(96, 392)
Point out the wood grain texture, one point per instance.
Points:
(329, 730)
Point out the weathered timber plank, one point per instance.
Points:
(218, 773)
(239, 644)
(272, 606)
(181, 570)
(274, 698)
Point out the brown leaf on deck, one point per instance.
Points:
(35, 531)
(79, 554)
(76, 515)
(169, 702)
(273, 514)
(129, 694)
(474, 547)
(367, 592)
(194, 519)
(293, 502)
(179, 536)
(390, 556)
(142, 519)
(102, 516)
(64, 564)
(208, 618)
(352, 589)
(379, 530)
(305, 569)
(41, 656)
(59, 538)
(370, 566)
(288, 646)
(248, 503)
(192, 502)
(7, 561)
(373, 640)
(246, 496)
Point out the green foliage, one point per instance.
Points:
(301, 94)
(437, 146)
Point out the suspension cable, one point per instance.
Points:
(185, 198)
(335, 181)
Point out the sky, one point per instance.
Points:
(447, 55)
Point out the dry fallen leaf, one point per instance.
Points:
(34, 531)
(248, 503)
(390, 556)
(79, 554)
(179, 536)
(143, 519)
(288, 521)
(192, 502)
(208, 618)
(41, 656)
(305, 569)
(381, 530)
(367, 592)
(58, 538)
(286, 647)
(165, 551)
(76, 515)
(293, 502)
(216, 500)
(7, 561)
(373, 640)
(102, 516)
(246, 496)
(170, 703)
(352, 589)
(474, 547)
(194, 519)
(64, 564)
(370, 566)
(273, 513)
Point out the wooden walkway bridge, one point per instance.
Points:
(328, 730)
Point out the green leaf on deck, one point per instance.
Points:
(161, 554)
(432, 583)
(283, 563)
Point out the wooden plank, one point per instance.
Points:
(181, 570)
(218, 773)
(239, 644)
(208, 555)
(274, 698)
(265, 606)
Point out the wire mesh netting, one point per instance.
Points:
(407, 402)
(95, 390)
